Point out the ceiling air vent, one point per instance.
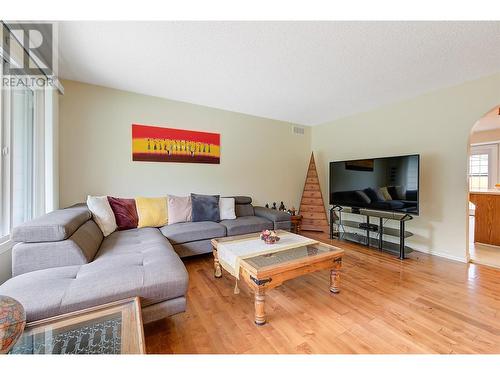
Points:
(297, 130)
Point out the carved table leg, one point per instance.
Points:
(335, 277)
(260, 314)
(217, 269)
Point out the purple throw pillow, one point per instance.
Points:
(125, 212)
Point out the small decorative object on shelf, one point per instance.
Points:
(292, 211)
(296, 221)
(274, 206)
(12, 322)
(269, 236)
(267, 205)
(282, 206)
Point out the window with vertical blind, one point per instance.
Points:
(26, 145)
(478, 172)
(18, 167)
(483, 167)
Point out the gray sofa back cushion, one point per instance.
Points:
(79, 249)
(54, 226)
(244, 210)
(270, 214)
(240, 199)
(243, 205)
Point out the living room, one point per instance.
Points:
(243, 187)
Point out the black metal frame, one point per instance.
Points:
(402, 221)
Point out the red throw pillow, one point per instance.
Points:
(125, 212)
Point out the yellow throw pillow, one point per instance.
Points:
(385, 193)
(152, 212)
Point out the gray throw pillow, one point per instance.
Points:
(205, 207)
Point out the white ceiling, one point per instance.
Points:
(302, 72)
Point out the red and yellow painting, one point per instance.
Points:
(153, 143)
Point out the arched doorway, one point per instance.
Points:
(484, 196)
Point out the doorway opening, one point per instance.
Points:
(484, 190)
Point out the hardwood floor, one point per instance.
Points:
(424, 304)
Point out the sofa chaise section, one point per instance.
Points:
(135, 262)
(148, 268)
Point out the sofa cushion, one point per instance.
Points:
(270, 214)
(188, 249)
(179, 209)
(385, 193)
(246, 224)
(362, 196)
(240, 199)
(226, 208)
(102, 214)
(205, 207)
(54, 226)
(139, 262)
(193, 231)
(393, 191)
(125, 212)
(78, 249)
(152, 212)
(244, 210)
(374, 195)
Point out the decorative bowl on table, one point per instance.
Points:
(12, 322)
(269, 236)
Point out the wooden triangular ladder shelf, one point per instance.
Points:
(312, 207)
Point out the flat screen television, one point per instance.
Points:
(381, 184)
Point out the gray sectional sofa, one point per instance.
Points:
(62, 262)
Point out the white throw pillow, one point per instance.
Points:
(226, 208)
(102, 214)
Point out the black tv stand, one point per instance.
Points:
(371, 227)
(398, 248)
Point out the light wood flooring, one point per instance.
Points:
(424, 304)
(488, 255)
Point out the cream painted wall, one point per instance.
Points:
(485, 136)
(259, 157)
(436, 125)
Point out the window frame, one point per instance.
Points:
(6, 159)
(491, 149)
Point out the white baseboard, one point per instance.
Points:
(464, 259)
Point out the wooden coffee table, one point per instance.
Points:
(113, 328)
(264, 271)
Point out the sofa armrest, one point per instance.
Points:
(273, 215)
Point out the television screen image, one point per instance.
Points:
(382, 184)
